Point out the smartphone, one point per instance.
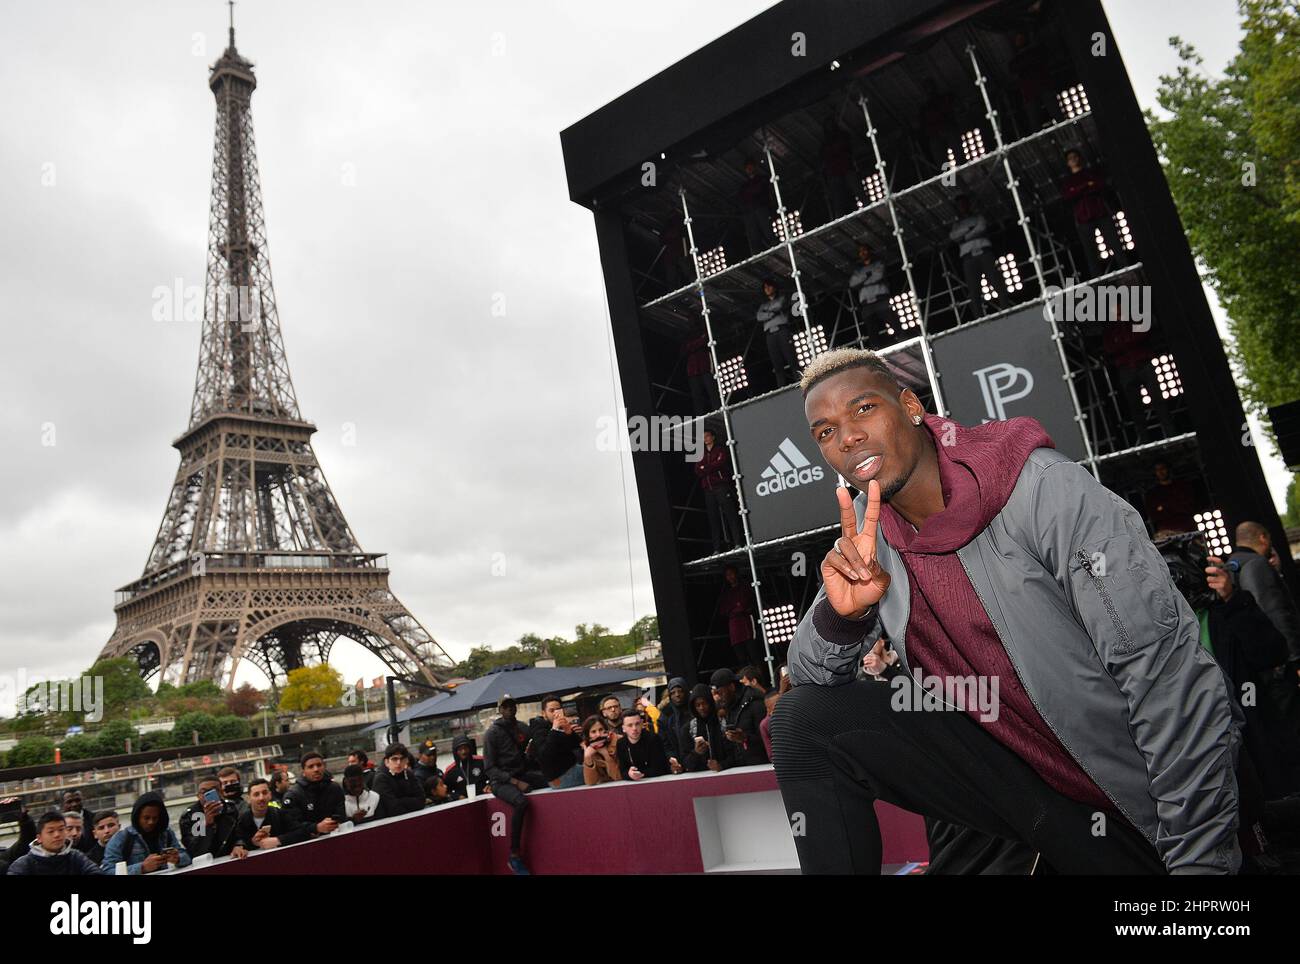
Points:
(212, 797)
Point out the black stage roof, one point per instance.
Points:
(721, 92)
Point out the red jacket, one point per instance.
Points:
(1087, 189)
(948, 631)
(714, 468)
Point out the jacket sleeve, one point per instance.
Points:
(244, 830)
(1256, 576)
(668, 733)
(186, 859)
(87, 867)
(496, 774)
(292, 804)
(827, 647)
(119, 848)
(1148, 640)
(658, 763)
(199, 842)
(290, 831)
(754, 750)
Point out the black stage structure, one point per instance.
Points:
(864, 122)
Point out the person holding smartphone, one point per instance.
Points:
(640, 753)
(743, 710)
(148, 844)
(208, 825)
(599, 761)
(700, 737)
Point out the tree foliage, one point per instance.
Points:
(245, 701)
(591, 643)
(32, 751)
(312, 688)
(1230, 148)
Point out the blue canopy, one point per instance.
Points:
(523, 684)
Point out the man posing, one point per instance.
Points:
(982, 553)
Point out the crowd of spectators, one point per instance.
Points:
(709, 727)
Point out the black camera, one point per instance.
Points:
(1187, 559)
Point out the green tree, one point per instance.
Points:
(112, 737)
(484, 659)
(1229, 148)
(82, 746)
(312, 688)
(1292, 514)
(205, 724)
(32, 751)
(231, 727)
(123, 686)
(645, 630)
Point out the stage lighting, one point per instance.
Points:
(792, 221)
(972, 144)
(874, 187)
(713, 261)
(906, 310)
(1073, 101)
(1010, 272)
(779, 624)
(731, 375)
(801, 346)
(1167, 376)
(1216, 533)
(1124, 232)
(989, 292)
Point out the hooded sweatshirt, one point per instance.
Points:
(132, 845)
(39, 862)
(707, 726)
(948, 630)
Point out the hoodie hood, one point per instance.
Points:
(152, 796)
(460, 741)
(40, 853)
(978, 468)
(698, 691)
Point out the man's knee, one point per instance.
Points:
(808, 717)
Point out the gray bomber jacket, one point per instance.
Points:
(1106, 648)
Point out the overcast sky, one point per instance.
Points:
(474, 434)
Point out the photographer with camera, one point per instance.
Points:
(599, 760)
(1245, 643)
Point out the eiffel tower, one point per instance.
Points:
(253, 559)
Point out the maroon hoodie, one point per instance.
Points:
(948, 631)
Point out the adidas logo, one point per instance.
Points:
(786, 469)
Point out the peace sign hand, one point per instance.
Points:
(853, 578)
